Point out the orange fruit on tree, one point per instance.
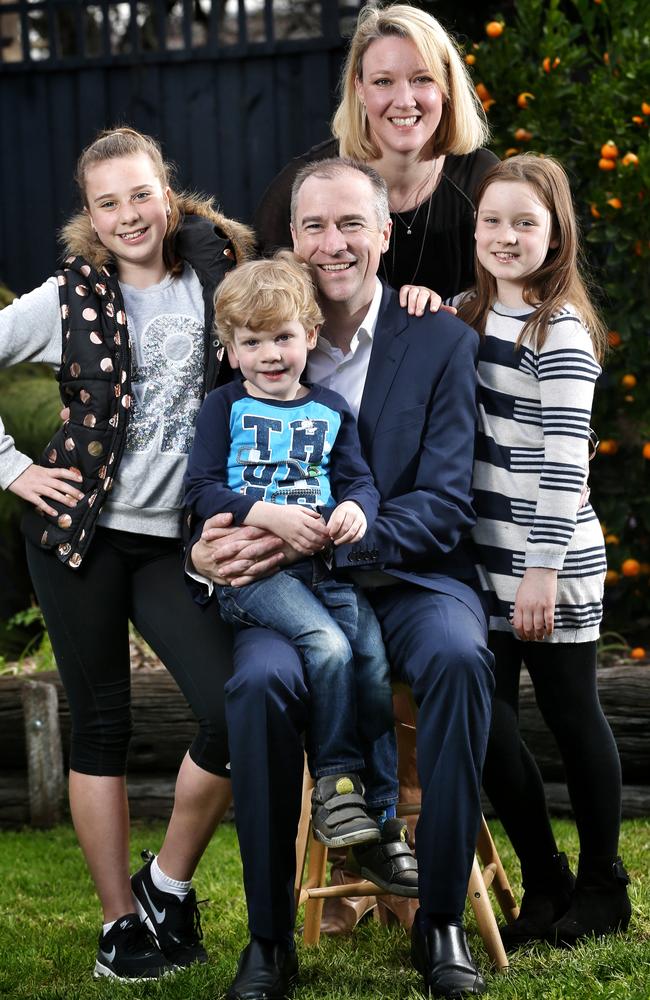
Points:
(613, 338)
(629, 381)
(488, 104)
(611, 578)
(593, 208)
(646, 450)
(523, 135)
(511, 151)
(615, 202)
(638, 120)
(645, 107)
(638, 653)
(630, 160)
(630, 567)
(608, 447)
(524, 98)
(605, 164)
(609, 150)
(483, 92)
(493, 29)
(470, 59)
(612, 539)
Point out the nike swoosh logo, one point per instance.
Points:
(109, 955)
(158, 914)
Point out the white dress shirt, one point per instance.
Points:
(346, 373)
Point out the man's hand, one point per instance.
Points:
(303, 528)
(535, 603)
(236, 556)
(416, 298)
(37, 483)
(347, 524)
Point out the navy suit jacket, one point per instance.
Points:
(417, 425)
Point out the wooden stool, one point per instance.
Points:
(312, 889)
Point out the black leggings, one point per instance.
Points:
(139, 577)
(564, 678)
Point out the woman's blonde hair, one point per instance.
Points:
(463, 126)
(558, 282)
(113, 143)
(264, 294)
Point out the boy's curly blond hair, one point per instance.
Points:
(264, 294)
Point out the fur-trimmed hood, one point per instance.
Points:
(79, 239)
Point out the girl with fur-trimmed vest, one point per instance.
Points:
(127, 323)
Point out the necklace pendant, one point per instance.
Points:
(408, 232)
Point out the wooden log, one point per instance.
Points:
(163, 723)
(625, 696)
(44, 754)
(635, 801)
(150, 797)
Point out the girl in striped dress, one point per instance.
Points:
(543, 554)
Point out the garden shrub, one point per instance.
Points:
(30, 411)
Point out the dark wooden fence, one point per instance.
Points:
(232, 88)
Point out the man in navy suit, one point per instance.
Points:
(412, 382)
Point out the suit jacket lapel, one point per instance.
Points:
(385, 358)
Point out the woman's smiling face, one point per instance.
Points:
(403, 102)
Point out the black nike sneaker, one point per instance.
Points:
(174, 923)
(129, 952)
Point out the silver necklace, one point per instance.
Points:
(408, 226)
(408, 233)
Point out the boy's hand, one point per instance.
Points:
(347, 524)
(303, 528)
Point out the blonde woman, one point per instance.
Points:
(409, 110)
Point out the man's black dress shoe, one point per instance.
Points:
(266, 971)
(442, 956)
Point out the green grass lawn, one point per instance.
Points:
(49, 921)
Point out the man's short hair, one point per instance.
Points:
(264, 294)
(335, 166)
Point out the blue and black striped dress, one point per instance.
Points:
(530, 466)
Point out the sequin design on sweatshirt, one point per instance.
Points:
(167, 385)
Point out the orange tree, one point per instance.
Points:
(572, 79)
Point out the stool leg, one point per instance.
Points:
(313, 905)
(489, 855)
(304, 828)
(485, 919)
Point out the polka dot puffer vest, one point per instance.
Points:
(95, 385)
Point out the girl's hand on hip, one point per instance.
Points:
(535, 603)
(37, 485)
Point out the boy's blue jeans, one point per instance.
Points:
(331, 623)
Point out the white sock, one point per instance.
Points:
(106, 927)
(166, 884)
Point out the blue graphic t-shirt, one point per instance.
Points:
(304, 451)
